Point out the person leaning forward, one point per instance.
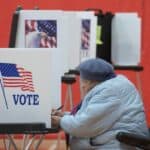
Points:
(110, 104)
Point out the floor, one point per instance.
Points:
(57, 143)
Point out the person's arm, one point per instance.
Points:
(101, 113)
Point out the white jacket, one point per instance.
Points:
(110, 107)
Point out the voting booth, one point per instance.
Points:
(126, 39)
(73, 32)
(30, 85)
(42, 29)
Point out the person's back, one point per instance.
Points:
(133, 116)
(117, 107)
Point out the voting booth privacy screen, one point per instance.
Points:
(126, 39)
(73, 32)
(30, 85)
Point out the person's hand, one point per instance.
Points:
(55, 120)
(56, 112)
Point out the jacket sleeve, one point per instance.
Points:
(102, 111)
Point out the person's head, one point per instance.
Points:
(93, 72)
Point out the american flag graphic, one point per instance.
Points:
(47, 30)
(85, 34)
(14, 77)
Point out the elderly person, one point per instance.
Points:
(110, 104)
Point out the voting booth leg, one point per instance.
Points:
(58, 142)
(25, 139)
(139, 85)
(36, 146)
(68, 97)
(30, 142)
(11, 142)
(68, 79)
(7, 143)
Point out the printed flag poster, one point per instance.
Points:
(41, 33)
(29, 88)
(13, 76)
(85, 34)
(88, 24)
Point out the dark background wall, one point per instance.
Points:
(142, 7)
